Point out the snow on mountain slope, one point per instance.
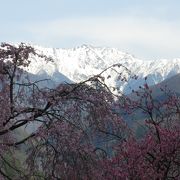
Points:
(79, 63)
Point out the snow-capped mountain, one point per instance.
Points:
(79, 63)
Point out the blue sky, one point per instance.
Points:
(148, 29)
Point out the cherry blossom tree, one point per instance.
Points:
(156, 155)
(18, 101)
(82, 131)
(71, 117)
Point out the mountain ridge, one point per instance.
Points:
(84, 61)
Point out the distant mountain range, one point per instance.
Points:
(77, 64)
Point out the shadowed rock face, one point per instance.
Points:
(171, 85)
